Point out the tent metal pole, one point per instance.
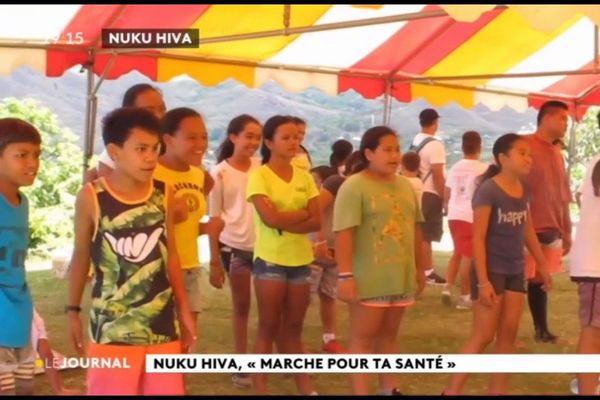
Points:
(572, 140)
(595, 46)
(287, 16)
(89, 109)
(107, 69)
(386, 103)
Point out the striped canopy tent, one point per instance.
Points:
(517, 56)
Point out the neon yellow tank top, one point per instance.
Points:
(188, 186)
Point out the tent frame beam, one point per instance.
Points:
(418, 79)
(286, 31)
(349, 72)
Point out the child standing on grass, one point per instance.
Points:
(19, 163)
(227, 203)
(378, 251)
(585, 271)
(502, 227)
(285, 198)
(460, 187)
(410, 170)
(124, 225)
(48, 357)
(185, 139)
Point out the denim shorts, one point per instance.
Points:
(269, 271)
(235, 260)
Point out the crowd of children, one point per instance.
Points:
(359, 230)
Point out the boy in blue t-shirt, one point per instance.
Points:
(19, 162)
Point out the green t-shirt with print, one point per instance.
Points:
(383, 215)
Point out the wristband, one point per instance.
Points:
(72, 308)
(345, 275)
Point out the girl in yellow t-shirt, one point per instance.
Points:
(286, 205)
(185, 140)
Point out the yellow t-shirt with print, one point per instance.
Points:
(189, 186)
(282, 248)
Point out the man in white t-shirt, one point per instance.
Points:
(432, 172)
(460, 187)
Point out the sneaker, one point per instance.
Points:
(464, 304)
(435, 279)
(242, 381)
(334, 347)
(446, 297)
(393, 392)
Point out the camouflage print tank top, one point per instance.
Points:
(132, 299)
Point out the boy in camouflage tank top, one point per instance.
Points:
(123, 225)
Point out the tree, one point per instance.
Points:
(587, 134)
(52, 197)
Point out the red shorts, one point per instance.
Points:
(553, 254)
(132, 380)
(462, 236)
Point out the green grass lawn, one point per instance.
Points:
(429, 327)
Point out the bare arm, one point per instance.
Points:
(481, 218)
(532, 243)
(80, 261)
(446, 199)
(566, 235)
(325, 201)
(420, 265)
(274, 218)
(439, 182)
(344, 242)
(313, 223)
(173, 264)
(209, 182)
(175, 274)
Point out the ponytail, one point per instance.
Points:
(235, 127)
(225, 149)
(501, 146)
(491, 172)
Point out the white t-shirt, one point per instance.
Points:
(105, 159)
(584, 254)
(227, 200)
(417, 185)
(433, 153)
(462, 181)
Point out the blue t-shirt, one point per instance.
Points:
(505, 239)
(16, 306)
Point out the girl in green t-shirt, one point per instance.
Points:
(285, 200)
(378, 242)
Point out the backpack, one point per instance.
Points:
(417, 149)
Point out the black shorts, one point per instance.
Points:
(500, 282)
(432, 208)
